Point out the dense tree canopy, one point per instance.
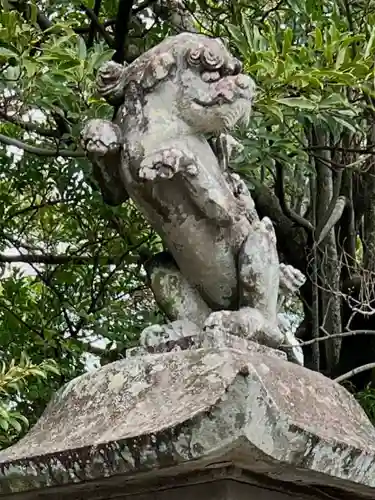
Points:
(72, 286)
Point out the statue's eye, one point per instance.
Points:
(233, 67)
(211, 60)
(193, 56)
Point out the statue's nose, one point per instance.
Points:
(233, 67)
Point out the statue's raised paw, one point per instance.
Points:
(101, 137)
(291, 279)
(166, 163)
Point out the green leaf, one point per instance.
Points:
(287, 41)
(333, 100)
(15, 424)
(82, 51)
(238, 38)
(33, 12)
(98, 59)
(30, 66)
(370, 44)
(340, 59)
(297, 102)
(247, 29)
(4, 424)
(318, 38)
(345, 124)
(7, 53)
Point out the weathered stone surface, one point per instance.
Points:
(195, 407)
(169, 101)
(208, 338)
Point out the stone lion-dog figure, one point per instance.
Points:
(221, 269)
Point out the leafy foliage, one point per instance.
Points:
(12, 381)
(367, 400)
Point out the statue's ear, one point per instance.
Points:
(157, 69)
(110, 82)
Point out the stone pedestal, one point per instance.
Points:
(225, 419)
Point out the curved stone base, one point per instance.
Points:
(199, 409)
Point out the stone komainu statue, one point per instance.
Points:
(222, 269)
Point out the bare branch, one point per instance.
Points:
(351, 333)
(369, 150)
(98, 26)
(280, 193)
(333, 218)
(66, 153)
(122, 28)
(30, 208)
(50, 259)
(355, 371)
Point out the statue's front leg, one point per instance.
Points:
(172, 162)
(102, 142)
(243, 196)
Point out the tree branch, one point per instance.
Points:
(369, 150)
(280, 193)
(333, 213)
(142, 6)
(350, 333)
(355, 371)
(30, 127)
(291, 239)
(95, 23)
(47, 203)
(81, 30)
(121, 29)
(50, 259)
(67, 153)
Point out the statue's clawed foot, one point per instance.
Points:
(247, 323)
(291, 279)
(166, 163)
(157, 335)
(101, 137)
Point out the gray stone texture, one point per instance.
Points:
(223, 269)
(187, 410)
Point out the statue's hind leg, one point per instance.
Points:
(177, 298)
(259, 282)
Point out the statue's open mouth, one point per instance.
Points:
(218, 100)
